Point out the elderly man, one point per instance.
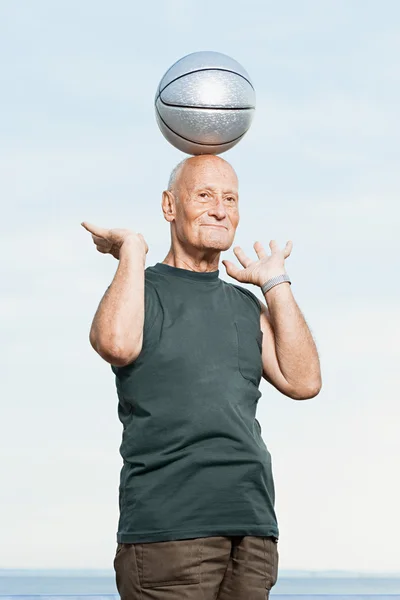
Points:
(188, 350)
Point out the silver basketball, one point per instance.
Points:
(205, 103)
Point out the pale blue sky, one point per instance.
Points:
(320, 166)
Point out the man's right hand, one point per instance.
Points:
(110, 241)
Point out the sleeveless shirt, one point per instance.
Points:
(194, 461)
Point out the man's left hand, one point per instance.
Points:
(259, 271)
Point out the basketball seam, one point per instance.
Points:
(200, 71)
(207, 107)
(198, 143)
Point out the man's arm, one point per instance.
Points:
(289, 355)
(117, 328)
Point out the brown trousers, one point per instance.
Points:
(209, 568)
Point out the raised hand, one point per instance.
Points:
(259, 271)
(110, 241)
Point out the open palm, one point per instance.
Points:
(259, 271)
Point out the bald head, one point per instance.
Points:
(201, 204)
(196, 165)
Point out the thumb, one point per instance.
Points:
(230, 268)
(94, 229)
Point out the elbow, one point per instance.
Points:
(307, 392)
(113, 352)
(120, 360)
(118, 356)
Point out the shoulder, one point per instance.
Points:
(152, 301)
(151, 285)
(247, 296)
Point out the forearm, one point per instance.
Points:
(117, 328)
(295, 348)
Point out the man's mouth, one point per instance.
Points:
(211, 225)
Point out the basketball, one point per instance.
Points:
(205, 103)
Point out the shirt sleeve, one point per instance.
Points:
(152, 308)
(153, 313)
(255, 301)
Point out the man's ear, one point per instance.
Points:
(168, 205)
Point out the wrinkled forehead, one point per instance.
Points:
(211, 173)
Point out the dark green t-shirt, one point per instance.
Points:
(195, 464)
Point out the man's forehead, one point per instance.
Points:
(208, 172)
(214, 188)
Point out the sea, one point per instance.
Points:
(24, 584)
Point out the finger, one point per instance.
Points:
(259, 248)
(288, 249)
(241, 256)
(273, 245)
(100, 231)
(232, 269)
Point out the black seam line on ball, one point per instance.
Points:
(198, 143)
(200, 71)
(207, 107)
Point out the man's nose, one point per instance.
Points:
(218, 208)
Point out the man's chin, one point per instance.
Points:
(220, 242)
(217, 245)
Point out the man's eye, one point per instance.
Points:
(203, 194)
(231, 199)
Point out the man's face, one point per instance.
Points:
(207, 211)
